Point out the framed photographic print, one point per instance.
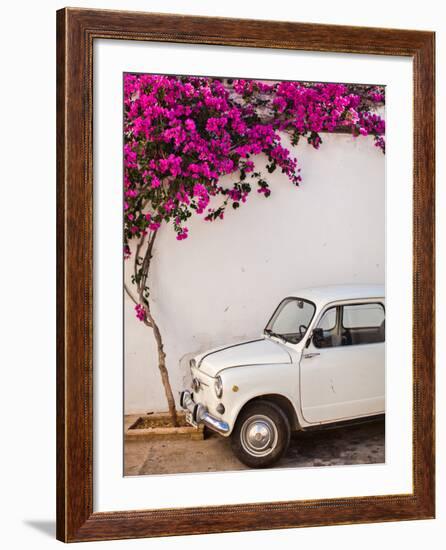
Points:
(245, 275)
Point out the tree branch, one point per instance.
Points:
(135, 301)
(130, 295)
(146, 265)
(138, 248)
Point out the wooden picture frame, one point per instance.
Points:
(77, 29)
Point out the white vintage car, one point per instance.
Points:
(320, 361)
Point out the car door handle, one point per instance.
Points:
(310, 355)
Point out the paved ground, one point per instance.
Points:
(360, 444)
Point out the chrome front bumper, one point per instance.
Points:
(200, 415)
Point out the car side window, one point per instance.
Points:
(326, 333)
(350, 325)
(328, 321)
(363, 324)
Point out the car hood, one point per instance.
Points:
(255, 352)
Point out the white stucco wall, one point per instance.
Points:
(222, 283)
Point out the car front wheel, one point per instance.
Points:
(261, 435)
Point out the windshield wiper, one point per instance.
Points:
(271, 333)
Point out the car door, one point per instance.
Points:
(342, 370)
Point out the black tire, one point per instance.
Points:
(261, 434)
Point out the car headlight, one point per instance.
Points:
(218, 387)
(192, 363)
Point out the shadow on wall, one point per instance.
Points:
(47, 527)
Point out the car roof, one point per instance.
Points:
(322, 295)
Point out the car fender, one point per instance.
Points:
(243, 384)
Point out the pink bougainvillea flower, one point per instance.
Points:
(140, 312)
(183, 134)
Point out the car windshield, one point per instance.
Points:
(291, 320)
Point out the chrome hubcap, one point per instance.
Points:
(259, 435)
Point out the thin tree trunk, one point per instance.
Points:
(150, 322)
(163, 370)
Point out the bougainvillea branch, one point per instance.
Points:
(183, 134)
